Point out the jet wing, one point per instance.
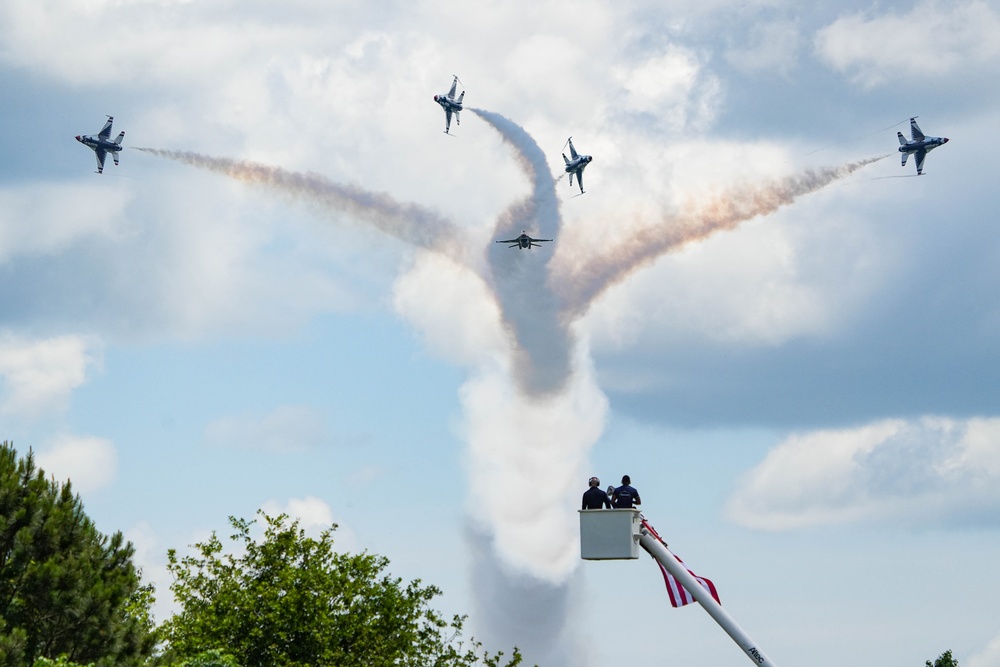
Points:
(920, 155)
(915, 130)
(572, 151)
(447, 119)
(579, 178)
(454, 86)
(510, 241)
(105, 133)
(101, 156)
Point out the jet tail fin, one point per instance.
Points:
(566, 159)
(461, 97)
(902, 139)
(905, 155)
(119, 141)
(114, 156)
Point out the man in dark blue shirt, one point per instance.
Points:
(625, 496)
(594, 498)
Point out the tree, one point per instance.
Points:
(291, 600)
(944, 660)
(66, 591)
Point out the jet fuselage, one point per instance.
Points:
(96, 142)
(578, 163)
(448, 104)
(927, 143)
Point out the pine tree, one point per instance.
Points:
(66, 590)
(944, 660)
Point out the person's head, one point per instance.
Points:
(594, 481)
(626, 479)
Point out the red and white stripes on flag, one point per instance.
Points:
(679, 596)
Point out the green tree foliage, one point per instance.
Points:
(944, 660)
(67, 592)
(58, 662)
(212, 658)
(290, 600)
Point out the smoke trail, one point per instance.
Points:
(536, 615)
(520, 279)
(579, 287)
(410, 223)
(529, 429)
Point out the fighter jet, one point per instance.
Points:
(102, 144)
(450, 105)
(524, 242)
(920, 145)
(576, 165)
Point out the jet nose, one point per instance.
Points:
(78, 137)
(946, 140)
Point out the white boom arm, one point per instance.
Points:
(660, 552)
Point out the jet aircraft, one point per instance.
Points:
(102, 145)
(920, 145)
(524, 242)
(450, 105)
(576, 165)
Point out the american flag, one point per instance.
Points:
(679, 596)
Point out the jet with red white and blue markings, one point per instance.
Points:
(919, 146)
(102, 144)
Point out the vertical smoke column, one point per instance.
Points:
(529, 429)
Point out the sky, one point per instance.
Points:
(292, 301)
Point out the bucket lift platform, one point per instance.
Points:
(609, 534)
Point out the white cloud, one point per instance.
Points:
(46, 218)
(673, 87)
(150, 558)
(927, 470)
(774, 48)
(742, 288)
(90, 463)
(314, 516)
(933, 40)
(287, 428)
(452, 307)
(311, 512)
(987, 656)
(39, 376)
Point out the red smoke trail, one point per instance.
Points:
(414, 224)
(578, 286)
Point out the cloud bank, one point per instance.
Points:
(933, 470)
(37, 376)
